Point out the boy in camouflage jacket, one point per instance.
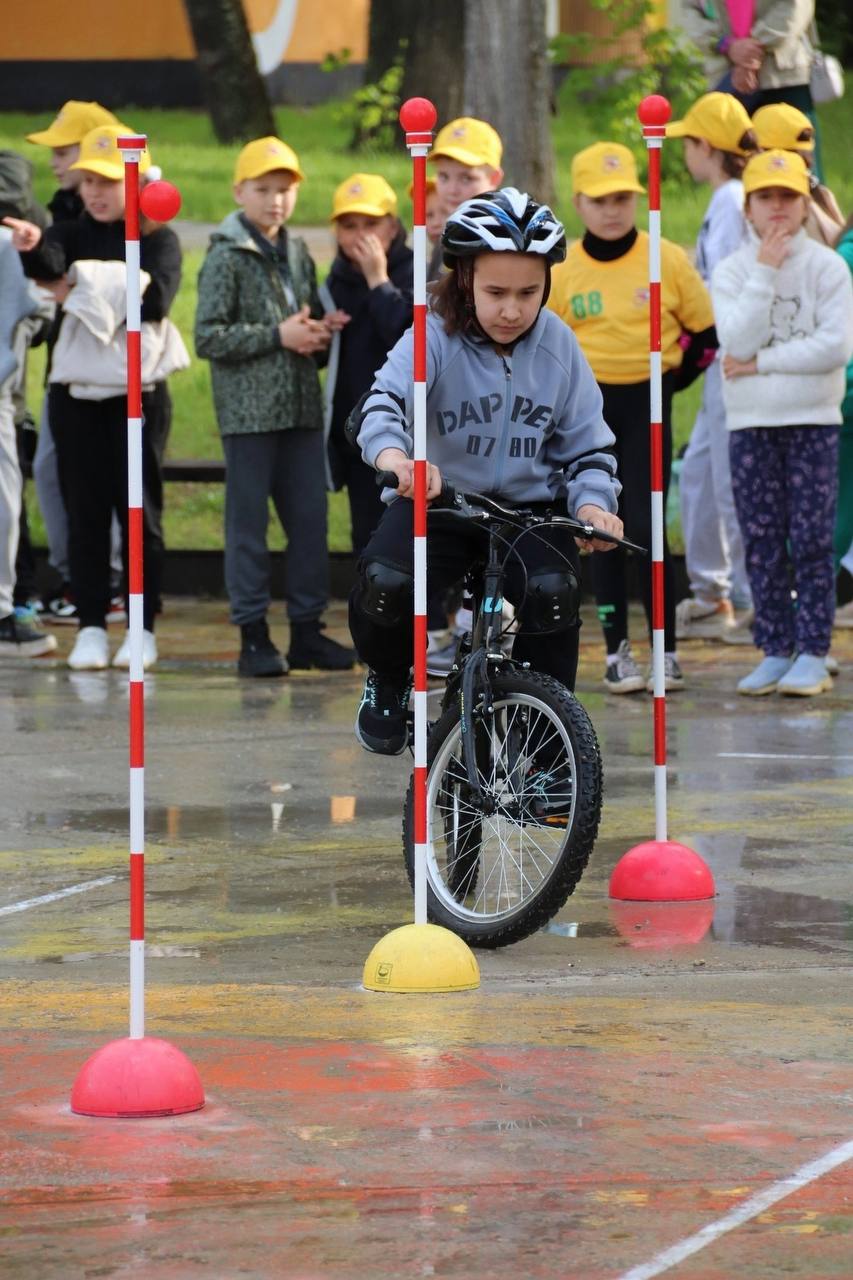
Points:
(258, 322)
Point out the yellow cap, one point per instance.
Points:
(784, 127)
(73, 122)
(471, 142)
(366, 193)
(100, 154)
(604, 168)
(718, 118)
(430, 186)
(266, 155)
(776, 169)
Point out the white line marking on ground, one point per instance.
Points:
(54, 897)
(743, 1213)
(771, 755)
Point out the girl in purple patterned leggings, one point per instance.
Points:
(784, 312)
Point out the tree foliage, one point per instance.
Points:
(666, 62)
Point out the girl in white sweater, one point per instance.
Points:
(784, 314)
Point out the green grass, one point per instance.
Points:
(182, 142)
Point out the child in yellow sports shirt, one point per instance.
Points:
(602, 293)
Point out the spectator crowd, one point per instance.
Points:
(762, 313)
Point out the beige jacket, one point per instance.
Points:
(90, 355)
(782, 27)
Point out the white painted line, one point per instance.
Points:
(54, 897)
(771, 755)
(743, 1213)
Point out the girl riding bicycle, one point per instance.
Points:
(513, 411)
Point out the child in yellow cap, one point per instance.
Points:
(370, 286)
(466, 159)
(602, 293)
(718, 140)
(784, 308)
(64, 135)
(782, 126)
(259, 321)
(90, 427)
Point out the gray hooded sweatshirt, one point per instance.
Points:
(525, 427)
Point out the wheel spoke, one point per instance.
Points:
(490, 866)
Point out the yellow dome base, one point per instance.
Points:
(421, 958)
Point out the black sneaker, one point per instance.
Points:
(21, 637)
(310, 648)
(382, 722)
(62, 610)
(258, 654)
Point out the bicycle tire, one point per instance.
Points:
(549, 700)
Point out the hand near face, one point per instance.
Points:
(369, 256)
(775, 247)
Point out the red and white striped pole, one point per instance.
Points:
(132, 149)
(659, 869)
(139, 1076)
(420, 957)
(418, 116)
(654, 131)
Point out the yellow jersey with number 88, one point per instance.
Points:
(607, 306)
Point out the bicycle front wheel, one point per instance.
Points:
(501, 864)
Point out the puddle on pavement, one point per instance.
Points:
(285, 811)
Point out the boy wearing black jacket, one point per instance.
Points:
(368, 295)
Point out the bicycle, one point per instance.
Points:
(514, 777)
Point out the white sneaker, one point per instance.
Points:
(702, 619)
(91, 651)
(149, 652)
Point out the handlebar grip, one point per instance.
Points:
(447, 497)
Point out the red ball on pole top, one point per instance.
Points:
(418, 115)
(654, 110)
(160, 201)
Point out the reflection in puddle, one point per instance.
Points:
(289, 810)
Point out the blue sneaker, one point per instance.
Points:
(807, 676)
(765, 678)
(382, 722)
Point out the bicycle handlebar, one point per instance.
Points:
(465, 504)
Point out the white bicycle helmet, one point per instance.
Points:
(501, 221)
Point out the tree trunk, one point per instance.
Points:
(508, 83)
(434, 56)
(233, 88)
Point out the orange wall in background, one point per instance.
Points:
(104, 29)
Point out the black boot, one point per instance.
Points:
(310, 648)
(258, 654)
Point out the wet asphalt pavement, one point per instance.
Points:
(619, 1081)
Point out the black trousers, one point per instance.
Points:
(452, 548)
(91, 448)
(626, 411)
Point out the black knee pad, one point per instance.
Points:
(551, 603)
(385, 594)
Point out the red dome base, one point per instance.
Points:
(134, 1078)
(661, 871)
